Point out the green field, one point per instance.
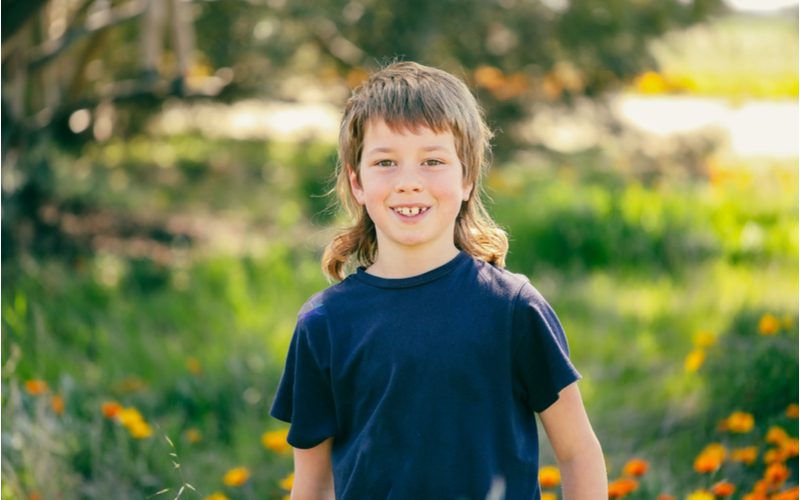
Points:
(193, 336)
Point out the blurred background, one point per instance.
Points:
(165, 166)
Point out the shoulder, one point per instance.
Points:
(502, 282)
(314, 310)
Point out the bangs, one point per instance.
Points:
(409, 107)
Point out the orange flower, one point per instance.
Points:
(745, 455)
(36, 387)
(755, 496)
(790, 447)
(276, 441)
(548, 495)
(776, 435)
(723, 489)
(776, 474)
(622, 487)
(110, 409)
(792, 411)
(193, 365)
(790, 494)
(57, 403)
(236, 477)
(664, 496)
(710, 459)
(774, 456)
(193, 435)
(549, 477)
(769, 325)
(635, 467)
(739, 422)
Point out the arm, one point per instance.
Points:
(577, 449)
(313, 474)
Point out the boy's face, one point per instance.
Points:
(412, 186)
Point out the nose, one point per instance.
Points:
(408, 179)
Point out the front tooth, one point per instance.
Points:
(414, 211)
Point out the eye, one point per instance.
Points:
(432, 162)
(384, 163)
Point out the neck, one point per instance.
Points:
(407, 264)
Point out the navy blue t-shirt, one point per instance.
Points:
(429, 384)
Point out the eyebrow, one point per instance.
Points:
(426, 149)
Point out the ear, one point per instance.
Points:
(355, 185)
(468, 190)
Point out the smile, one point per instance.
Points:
(410, 211)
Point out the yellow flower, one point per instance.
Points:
(549, 495)
(792, 411)
(703, 339)
(739, 422)
(700, 495)
(549, 477)
(36, 387)
(287, 482)
(129, 416)
(236, 476)
(216, 496)
(769, 325)
(140, 429)
(276, 441)
(694, 360)
(745, 455)
(651, 82)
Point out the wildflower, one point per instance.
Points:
(723, 489)
(216, 496)
(739, 422)
(776, 435)
(193, 435)
(57, 404)
(792, 411)
(549, 477)
(790, 447)
(694, 360)
(651, 82)
(774, 456)
(129, 416)
(790, 494)
(549, 495)
(700, 495)
(276, 441)
(664, 496)
(710, 459)
(140, 429)
(236, 476)
(36, 387)
(745, 455)
(704, 339)
(287, 482)
(769, 325)
(635, 467)
(755, 496)
(622, 487)
(110, 409)
(193, 365)
(776, 474)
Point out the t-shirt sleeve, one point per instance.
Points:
(304, 397)
(540, 354)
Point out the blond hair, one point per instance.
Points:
(407, 95)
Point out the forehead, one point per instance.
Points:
(378, 130)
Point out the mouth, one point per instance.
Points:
(410, 211)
